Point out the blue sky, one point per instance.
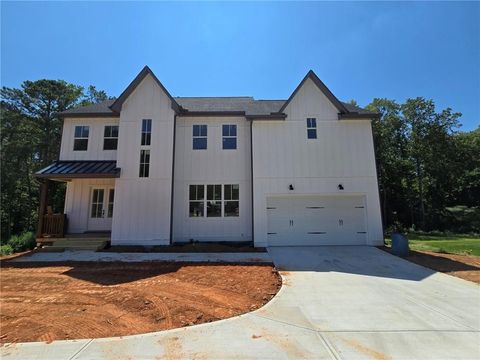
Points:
(360, 50)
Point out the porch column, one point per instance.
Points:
(43, 205)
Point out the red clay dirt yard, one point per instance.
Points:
(46, 301)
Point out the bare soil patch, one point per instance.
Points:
(466, 267)
(189, 247)
(46, 301)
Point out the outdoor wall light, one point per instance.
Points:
(290, 187)
(340, 187)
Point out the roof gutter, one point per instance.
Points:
(212, 113)
(273, 116)
(88, 115)
(355, 115)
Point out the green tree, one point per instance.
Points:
(93, 96)
(30, 140)
(431, 151)
(390, 139)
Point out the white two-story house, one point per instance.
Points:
(154, 169)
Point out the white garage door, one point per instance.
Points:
(316, 220)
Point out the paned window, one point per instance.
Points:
(229, 137)
(231, 200)
(144, 163)
(97, 203)
(311, 128)
(199, 137)
(80, 142)
(214, 200)
(146, 132)
(110, 137)
(111, 195)
(197, 200)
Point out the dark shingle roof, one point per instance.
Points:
(245, 104)
(80, 169)
(101, 109)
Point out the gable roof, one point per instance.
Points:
(117, 105)
(220, 106)
(322, 87)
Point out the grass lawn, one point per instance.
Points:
(446, 243)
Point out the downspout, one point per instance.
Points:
(173, 178)
(251, 180)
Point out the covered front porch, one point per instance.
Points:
(89, 201)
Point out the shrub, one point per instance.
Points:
(5, 250)
(22, 242)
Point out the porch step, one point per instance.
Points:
(79, 243)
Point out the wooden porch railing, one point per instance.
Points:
(54, 225)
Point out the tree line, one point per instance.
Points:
(30, 140)
(428, 171)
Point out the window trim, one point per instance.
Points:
(200, 136)
(81, 137)
(311, 126)
(146, 164)
(110, 137)
(206, 200)
(146, 132)
(229, 136)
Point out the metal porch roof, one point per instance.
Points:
(80, 169)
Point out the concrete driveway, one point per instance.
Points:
(335, 303)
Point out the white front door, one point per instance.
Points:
(101, 208)
(316, 220)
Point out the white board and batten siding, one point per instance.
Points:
(212, 166)
(142, 205)
(342, 154)
(78, 202)
(95, 139)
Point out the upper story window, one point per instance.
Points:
(110, 137)
(229, 134)
(311, 128)
(199, 137)
(144, 163)
(146, 132)
(80, 142)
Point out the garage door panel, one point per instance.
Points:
(316, 220)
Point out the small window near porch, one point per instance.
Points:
(111, 195)
(311, 128)
(110, 137)
(80, 142)
(97, 203)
